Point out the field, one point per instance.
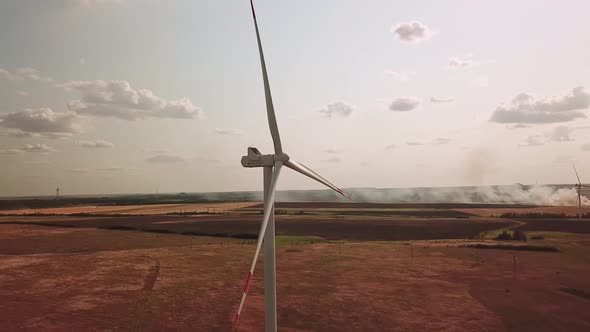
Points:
(339, 268)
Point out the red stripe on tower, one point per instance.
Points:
(248, 282)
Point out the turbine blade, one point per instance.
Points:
(270, 110)
(268, 205)
(575, 170)
(310, 173)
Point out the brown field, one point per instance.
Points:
(135, 209)
(571, 211)
(74, 277)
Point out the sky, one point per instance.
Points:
(106, 96)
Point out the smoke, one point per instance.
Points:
(556, 195)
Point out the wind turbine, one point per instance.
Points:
(579, 190)
(272, 164)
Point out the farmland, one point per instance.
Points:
(368, 267)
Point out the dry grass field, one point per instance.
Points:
(135, 209)
(87, 279)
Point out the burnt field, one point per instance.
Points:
(555, 225)
(329, 227)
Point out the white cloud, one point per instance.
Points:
(390, 147)
(26, 73)
(524, 108)
(441, 99)
(331, 151)
(402, 104)
(398, 75)
(585, 147)
(481, 81)
(29, 148)
(10, 151)
(413, 143)
(118, 99)
(165, 159)
(23, 93)
(461, 62)
(228, 131)
(411, 32)
(96, 144)
(337, 109)
(20, 133)
(38, 148)
(535, 140)
(42, 121)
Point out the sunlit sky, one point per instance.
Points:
(100, 97)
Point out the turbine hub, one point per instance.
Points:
(283, 157)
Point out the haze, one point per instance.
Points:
(129, 96)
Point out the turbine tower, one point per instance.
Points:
(579, 187)
(272, 165)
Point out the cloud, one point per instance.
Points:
(337, 109)
(96, 144)
(43, 122)
(118, 99)
(165, 159)
(10, 151)
(481, 81)
(331, 151)
(524, 108)
(518, 126)
(23, 93)
(412, 143)
(398, 75)
(411, 32)
(403, 104)
(38, 148)
(228, 131)
(464, 62)
(20, 133)
(441, 141)
(390, 147)
(534, 140)
(364, 164)
(441, 99)
(29, 148)
(585, 147)
(21, 74)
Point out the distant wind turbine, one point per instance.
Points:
(579, 187)
(272, 164)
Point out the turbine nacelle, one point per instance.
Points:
(257, 159)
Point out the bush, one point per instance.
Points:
(504, 236)
(515, 236)
(511, 247)
(519, 236)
